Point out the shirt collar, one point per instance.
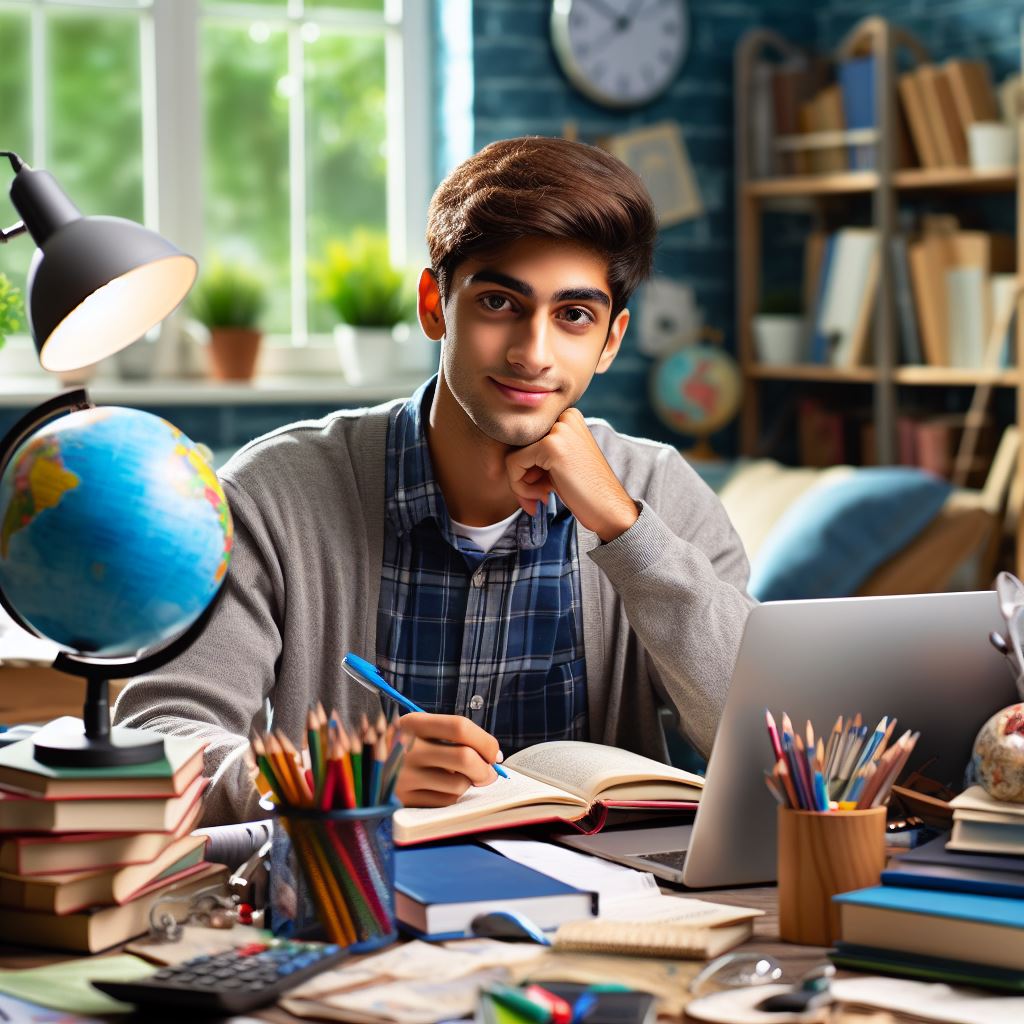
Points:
(412, 493)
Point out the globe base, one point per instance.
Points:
(61, 746)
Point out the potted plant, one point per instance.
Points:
(779, 329)
(373, 302)
(230, 299)
(11, 309)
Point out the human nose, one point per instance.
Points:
(531, 348)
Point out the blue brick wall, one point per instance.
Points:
(519, 89)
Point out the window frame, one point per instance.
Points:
(173, 119)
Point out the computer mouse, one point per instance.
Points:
(508, 926)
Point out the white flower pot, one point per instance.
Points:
(369, 355)
(779, 339)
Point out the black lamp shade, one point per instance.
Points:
(96, 284)
(99, 283)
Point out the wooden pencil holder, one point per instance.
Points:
(333, 876)
(821, 854)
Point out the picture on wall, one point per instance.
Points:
(658, 154)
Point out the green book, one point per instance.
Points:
(20, 772)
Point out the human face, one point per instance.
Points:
(523, 332)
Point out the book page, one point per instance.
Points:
(588, 769)
(482, 806)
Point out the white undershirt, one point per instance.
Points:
(484, 537)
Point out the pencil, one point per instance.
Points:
(782, 769)
(773, 734)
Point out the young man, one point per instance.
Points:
(519, 572)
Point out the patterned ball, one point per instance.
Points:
(998, 759)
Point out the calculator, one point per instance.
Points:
(235, 981)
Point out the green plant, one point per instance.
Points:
(228, 295)
(784, 302)
(359, 283)
(11, 309)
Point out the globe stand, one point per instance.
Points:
(97, 745)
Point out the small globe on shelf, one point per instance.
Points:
(115, 539)
(696, 391)
(997, 762)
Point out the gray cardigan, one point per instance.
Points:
(663, 605)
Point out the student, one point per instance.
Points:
(520, 572)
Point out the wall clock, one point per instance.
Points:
(620, 53)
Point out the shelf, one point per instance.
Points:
(962, 178)
(952, 376)
(812, 184)
(815, 372)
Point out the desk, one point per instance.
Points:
(765, 939)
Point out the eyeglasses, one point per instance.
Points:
(745, 968)
(1010, 592)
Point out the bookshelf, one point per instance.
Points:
(881, 189)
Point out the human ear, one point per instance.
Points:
(428, 305)
(614, 341)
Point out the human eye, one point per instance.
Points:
(495, 302)
(577, 316)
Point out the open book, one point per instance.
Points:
(564, 780)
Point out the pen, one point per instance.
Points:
(367, 675)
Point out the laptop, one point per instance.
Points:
(924, 658)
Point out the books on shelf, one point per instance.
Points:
(99, 928)
(857, 84)
(847, 291)
(564, 780)
(439, 889)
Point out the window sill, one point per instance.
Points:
(24, 392)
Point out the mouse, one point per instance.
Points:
(507, 926)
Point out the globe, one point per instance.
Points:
(997, 762)
(696, 390)
(115, 533)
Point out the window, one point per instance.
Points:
(253, 130)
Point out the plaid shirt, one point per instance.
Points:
(496, 637)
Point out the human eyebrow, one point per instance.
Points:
(582, 295)
(496, 277)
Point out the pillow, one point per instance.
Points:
(833, 537)
(758, 493)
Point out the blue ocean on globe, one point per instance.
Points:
(115, 532)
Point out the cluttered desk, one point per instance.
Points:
(503, 921)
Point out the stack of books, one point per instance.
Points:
(83, 851)
(952, 909)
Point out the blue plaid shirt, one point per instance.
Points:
(496, 637)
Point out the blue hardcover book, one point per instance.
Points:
(440, 888)
(821, 346)
(857, 84)
(930, 922)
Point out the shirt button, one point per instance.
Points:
(476, 702)
(479, 578)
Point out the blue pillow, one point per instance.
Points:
(832, 538)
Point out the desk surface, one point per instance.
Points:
(765, 939)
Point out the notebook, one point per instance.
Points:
(439, 889)
(561, 780)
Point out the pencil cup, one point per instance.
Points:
(333, 876)
(822, 854)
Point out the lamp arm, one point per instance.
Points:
(6, 234)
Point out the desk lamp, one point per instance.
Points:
(95, 285)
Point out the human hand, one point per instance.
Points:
(567, 460)
(447, 755)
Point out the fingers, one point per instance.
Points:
(451, 729)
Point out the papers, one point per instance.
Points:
(196, 940)
(65, 986)
(930, 1001)
(415, 983)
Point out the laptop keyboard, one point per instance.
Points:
(671, 859)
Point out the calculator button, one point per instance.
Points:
(161, 975)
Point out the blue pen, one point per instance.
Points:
(367, 675)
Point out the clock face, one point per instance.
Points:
(620, 53)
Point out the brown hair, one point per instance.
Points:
(546, 187)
